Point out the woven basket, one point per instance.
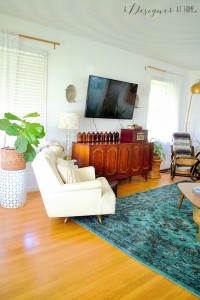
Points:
(11, 160)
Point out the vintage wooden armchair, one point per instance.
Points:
(182, 155)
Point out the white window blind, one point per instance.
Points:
(23, 83)
(30, 88)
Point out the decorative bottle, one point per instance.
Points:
(79, 137)
(97, 137)
(93, 137)
(110, 136)
(106, 137)
(117, 136)
(101, 138)
(88, 137)
(84, 137)
(114, 137)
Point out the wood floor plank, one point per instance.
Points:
(43, 258)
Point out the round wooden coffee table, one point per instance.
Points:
(186, 191)
(193, 198)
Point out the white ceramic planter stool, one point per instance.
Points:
(12, 188)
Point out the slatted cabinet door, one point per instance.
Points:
(111, 159)
(147, 150)
(96, 159)
(124, 160)
(136, 159)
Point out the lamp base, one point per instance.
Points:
(68, 157)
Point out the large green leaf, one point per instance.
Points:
(30, 153)
(35, 129)
(13, 129)
(32, 115)
(32, 139)
(4, 124)
(10, 116)
(21, 144)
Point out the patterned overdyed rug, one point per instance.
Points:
(149, 227)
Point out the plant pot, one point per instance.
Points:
(11, 160)
(155, 172)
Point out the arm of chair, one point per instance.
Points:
(192, 150)
(197, 155)
(174, 156)
(85, 185)
(86, 173)
(172, 151)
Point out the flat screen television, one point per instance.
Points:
(110, 98)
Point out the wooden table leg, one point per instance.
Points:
(196, 218)
(181, 200)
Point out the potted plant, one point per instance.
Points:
(28, 135)
(158, 157)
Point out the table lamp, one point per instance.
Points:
(70, 122)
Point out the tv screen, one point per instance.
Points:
(110, 98)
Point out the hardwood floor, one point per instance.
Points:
(43, 258)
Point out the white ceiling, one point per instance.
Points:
(172, 36)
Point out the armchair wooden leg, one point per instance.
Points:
(181, 200)
(99, 219)
(66, 220)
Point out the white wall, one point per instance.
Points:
(72, 62)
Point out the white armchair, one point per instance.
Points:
(68, 191)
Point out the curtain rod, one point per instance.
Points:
(154, 68)
(40, 40)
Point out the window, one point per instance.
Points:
(23, 86)
(30, 89)
(163, 109)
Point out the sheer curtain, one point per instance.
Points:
(9, 44)
(163, 108)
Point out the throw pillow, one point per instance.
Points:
(67, 173)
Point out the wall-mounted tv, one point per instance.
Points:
(110, 98)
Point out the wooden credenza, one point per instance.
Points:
(115, 160)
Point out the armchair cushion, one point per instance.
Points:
(67, 173)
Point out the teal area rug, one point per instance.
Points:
(150, 228)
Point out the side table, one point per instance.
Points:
(12, 188)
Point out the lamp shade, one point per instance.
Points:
(68, 121)
(195, 89)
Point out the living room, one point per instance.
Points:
(72, 62)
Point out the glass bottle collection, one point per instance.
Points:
(98, 137)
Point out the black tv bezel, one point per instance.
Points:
(104, 117)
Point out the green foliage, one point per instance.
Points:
(158, 149)
(27, 133)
